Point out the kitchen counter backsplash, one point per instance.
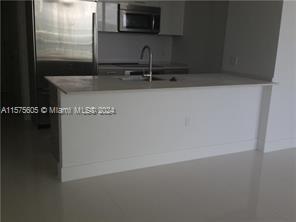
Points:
(130, 68)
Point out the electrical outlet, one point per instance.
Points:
(234, 60)
(187, 121)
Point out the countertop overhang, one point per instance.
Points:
(91, 84)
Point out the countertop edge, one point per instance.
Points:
(55, 85)
(155, 88)
(161, 88)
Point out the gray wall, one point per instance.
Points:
(126, 47)
(252, 37)
(281, 130)
(10, 70)
(201, 47)
(15, 89)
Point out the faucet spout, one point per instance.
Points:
(146, 47)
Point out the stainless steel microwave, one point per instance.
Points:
(138, 18)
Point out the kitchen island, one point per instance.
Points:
(175, 118)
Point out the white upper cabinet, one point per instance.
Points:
(172, 18)
(107, 13)
(150, 3)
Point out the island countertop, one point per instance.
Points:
(90, 84)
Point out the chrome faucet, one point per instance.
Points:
(150, 61)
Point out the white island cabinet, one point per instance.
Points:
(155, 123)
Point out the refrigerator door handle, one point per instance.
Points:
(94, 44)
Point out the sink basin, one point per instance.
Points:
(138, 65)
(139, 78)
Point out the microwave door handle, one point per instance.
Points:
(124, 20)
(153, 23)
(94, 44)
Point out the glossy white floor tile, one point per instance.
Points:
(244, 187)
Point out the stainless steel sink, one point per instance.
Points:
(139, 78)
(138, 65)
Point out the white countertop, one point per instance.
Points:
(90, 84)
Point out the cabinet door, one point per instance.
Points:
(146, 3)
(172, 18)
(107, 13)
(153, 3)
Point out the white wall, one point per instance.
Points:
(281, 130)
(126, 47)
(264, 40)
(201, 47)
(252, 36)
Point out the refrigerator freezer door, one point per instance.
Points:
(65, 44)
(64, 30)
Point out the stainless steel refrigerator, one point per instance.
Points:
(65, 43)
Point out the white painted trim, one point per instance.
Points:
(264, 115)
(276, 145)
(114, 166)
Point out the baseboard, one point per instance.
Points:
(120, 165)
(276, 145)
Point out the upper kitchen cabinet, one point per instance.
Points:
(172, 17)
(107, 13)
